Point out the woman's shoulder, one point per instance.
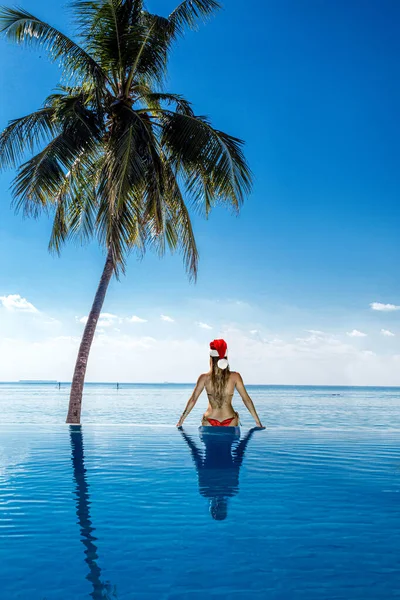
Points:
(235, 376)
(203, 378)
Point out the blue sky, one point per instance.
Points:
(313, 89)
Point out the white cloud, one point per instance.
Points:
(387, 333)
(356, 333)
(384, 307)
(135, 319)
(309, 360)
(51, 321)
(108, 316)
(253, 331)
(166, 318)
(15, 302)
(315, 331)
(105, 320)
(203, 325)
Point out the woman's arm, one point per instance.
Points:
(247, 401)
(193, 399)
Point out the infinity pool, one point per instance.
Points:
(128, 512)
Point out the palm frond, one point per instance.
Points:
(22, 27)
(83, 214)
(213, 161)
(71, 111)
(199, 186)
(148, 45)
(153, 100)
(39, 180)
(125, 40)
(124, 168)
(177, 231)
(76, 203)
(88, 14)
(166, 219)
(122, 182)
(154, 192)
(60, 229)
(181, 234)
(188, 13)
(25, 134)
(119, 231)
(101, 27)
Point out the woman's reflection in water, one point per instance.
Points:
(101, 591)
(218, 465)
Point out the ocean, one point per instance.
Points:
(162, 404)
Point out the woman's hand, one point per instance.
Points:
(179, 423)
(259, 425)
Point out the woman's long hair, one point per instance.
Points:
(219, 379)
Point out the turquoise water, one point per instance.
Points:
(307, 509)
(278, 406)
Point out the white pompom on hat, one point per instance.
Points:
(222, 363)
(218, 348)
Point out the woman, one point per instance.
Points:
(220, 384)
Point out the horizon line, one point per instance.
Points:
(121, 383)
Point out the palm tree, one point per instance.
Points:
(114, 155)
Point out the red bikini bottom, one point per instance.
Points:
(216, 423)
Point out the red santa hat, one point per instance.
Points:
(219, 348)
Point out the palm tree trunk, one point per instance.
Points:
(75, 399)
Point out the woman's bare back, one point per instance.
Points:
(222, 408)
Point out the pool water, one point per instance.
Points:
(119, 511)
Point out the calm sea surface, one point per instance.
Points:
(128, 507)
(279, 406)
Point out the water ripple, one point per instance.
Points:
(131, 512)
